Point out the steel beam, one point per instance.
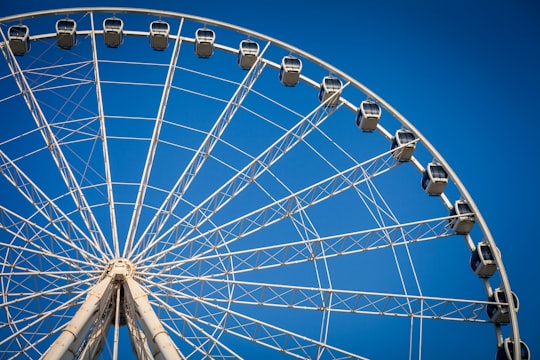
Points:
(160, 341)
(66, 345)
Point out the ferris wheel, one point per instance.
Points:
(177, 187)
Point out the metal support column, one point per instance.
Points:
(160, 341)
(66, 345)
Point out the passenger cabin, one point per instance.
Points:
(498, 311)
(368, 115)
(19, 39)
(505, 351)
(290, 70)
(204, 42)
(330, 90)
(464, 219)
(159, 35)
(482, 261)
(247, 54)
(434, 179)
(403, 145)
(66, 36)
(113, 32)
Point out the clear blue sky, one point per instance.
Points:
(465, 73)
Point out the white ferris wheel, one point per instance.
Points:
(176, 187)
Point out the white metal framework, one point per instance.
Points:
(194, 208)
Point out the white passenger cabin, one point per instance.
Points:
(482, 261)
(434, 179)
(499, 311)
(66, 33)
(19, 39)
(464, 219)
(368, 115)
(113, 32)
(505, 351)
(290, 70)
(330, 90)
(247, 54)
(204, 42)
(159, 35)
(403, 145)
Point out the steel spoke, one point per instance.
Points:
(246, 176)
(204, 151)
(57, 153)
(153, 145)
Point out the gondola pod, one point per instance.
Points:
(434, 179)
(204, 42)
(330, 90)
(368, 115)
(113, 32)
(289, 72)
(19, 39)
(403, 145)
(159, 35)
(247, 54)
(66, 33)
(462, 217)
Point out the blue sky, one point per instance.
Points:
(466, 75)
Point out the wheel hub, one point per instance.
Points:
(120, 269)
